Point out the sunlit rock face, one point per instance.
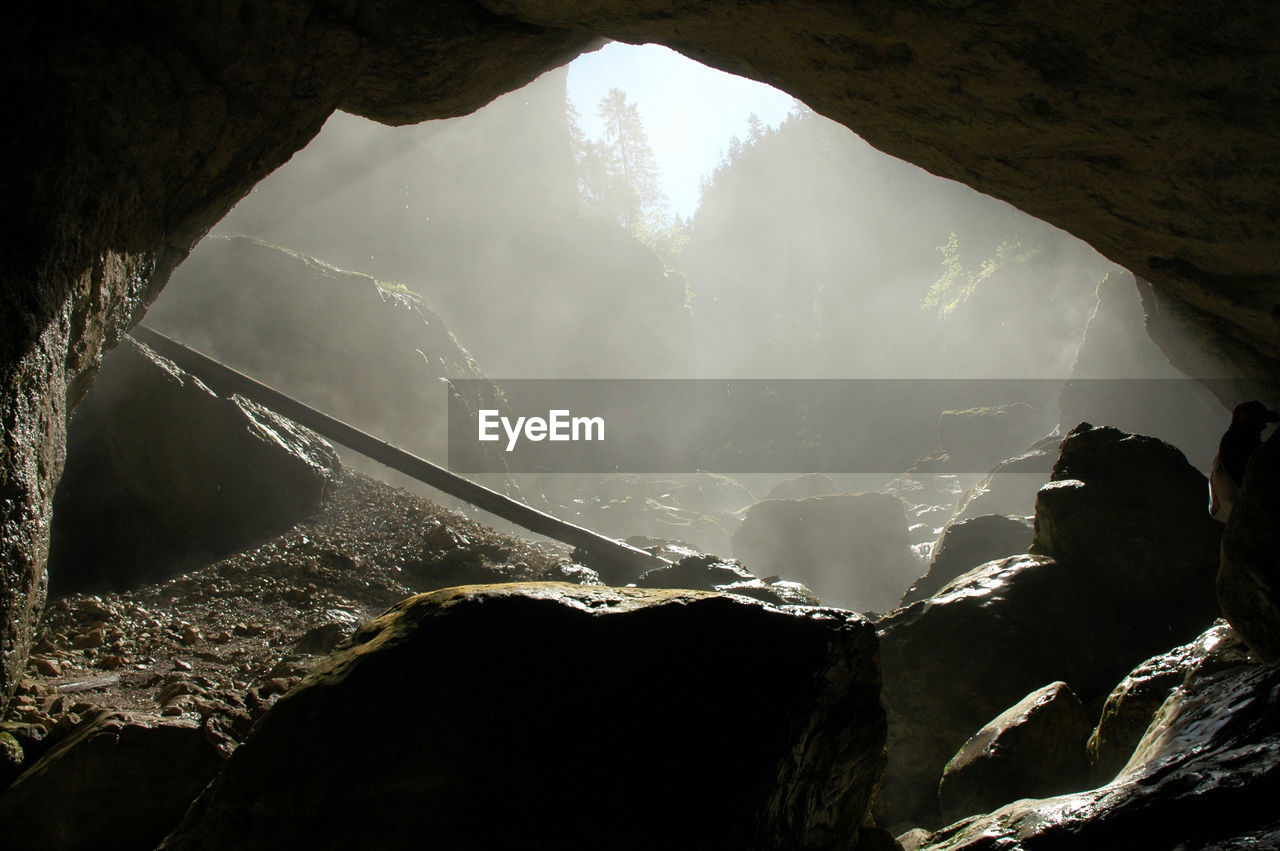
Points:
(966, 545)
(1151, 134)
(1034, 748)
(549, 715)
(1123, 567)
(1133, 702)
(1205, 775)
(1249, 576)
(166, 475)
(370, 353)
(957, 660)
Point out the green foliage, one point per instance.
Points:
(617, 175)
(957, 284)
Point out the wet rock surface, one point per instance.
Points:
(1033, 749)
(1129, 512)
(851, 549)
(931, 500)
(1129, 708)
(955, 661)
(1133, 556)
(966, 545)
(611, 717)
(1205, 775)
(163, 475)
(1248, 579)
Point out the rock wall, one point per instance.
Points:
(164, 475)
(1152, 134)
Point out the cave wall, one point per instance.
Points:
(1149, 132)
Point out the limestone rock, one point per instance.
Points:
(1205, 775)
(367, 352)
(1129, 512)
(1122, 566)
(114, 782)
(162, 471)
(968, 544)
(1035, 748)
(1011, 487)
(598, 717)
(1248, 582)
(851, 549)
(1129, 708)
(958, 659)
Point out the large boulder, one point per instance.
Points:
(1129, 511)
(1205, 775)
(549, 715)
(163, 474)
(1033, 749)
(955, 661)
(1123, 566)
(851, 549)
(1129, 708)
(114, 782)
(966, 545)
(368, 352)
(1012, 485)
(1248, 583)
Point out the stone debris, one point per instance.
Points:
(219, 645)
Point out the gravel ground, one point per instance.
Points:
(219, 645)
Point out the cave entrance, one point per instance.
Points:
(536, 238)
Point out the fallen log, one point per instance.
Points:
(614, 560)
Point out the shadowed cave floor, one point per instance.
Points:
(222, 643)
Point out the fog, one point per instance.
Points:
(530, 253)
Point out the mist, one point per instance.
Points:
(505, 245)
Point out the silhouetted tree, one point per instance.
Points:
(618, 176)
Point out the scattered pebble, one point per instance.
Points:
(224, 642)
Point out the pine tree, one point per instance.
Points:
(618, 176)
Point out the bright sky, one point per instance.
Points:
(689, 111)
